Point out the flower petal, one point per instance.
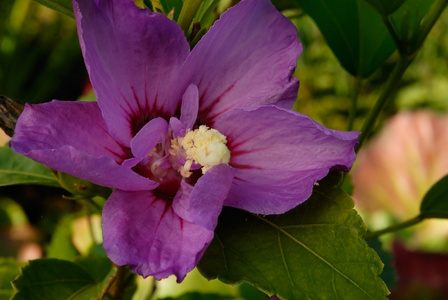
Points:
(145, 233)
(72, 137)
(203, 203)
(177, 127)
(132, 56)
(245, 60)
(279, 155)
(153, 133)
(190, 106)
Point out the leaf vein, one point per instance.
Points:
(312, 252)
(285, 264)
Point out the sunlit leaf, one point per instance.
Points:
(316, 251)
(435, 201)
(354, 31)
(62, 6)
(18, 169)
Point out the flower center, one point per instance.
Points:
(204, 146)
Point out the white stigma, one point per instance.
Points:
(205, 146)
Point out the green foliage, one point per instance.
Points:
(435, 202)
(40, 57)
(18, 169)
(389, 275)
(11, 213)
(97, 266)
(172, 5)
(49, 279)
(81, 188)
(9, 269)
(385, 7)
(407, 21)
(61, 246)
(199, 296)
(354, 31)
(62, 6)
(315, 251)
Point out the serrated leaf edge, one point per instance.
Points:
(312, 252)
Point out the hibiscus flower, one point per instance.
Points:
(179, 134)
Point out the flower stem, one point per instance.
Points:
(408, 223)
(115, 285)
(396, 227)
(187, 14)
(386, 94)
(402, 64)
(393, 33)
(428, 22)
(354, 102)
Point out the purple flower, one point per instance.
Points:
(179, 134)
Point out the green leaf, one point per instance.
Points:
(18, 169)
(389, 275)
(9, 269)
(407, 20)
(98, 266)
(386, 7)
(81, 188)
(435, 202)
(199, 296)
(315, 251)
(354, 31)
(62, 6)
(172, 5)
(61, 245)
(193, 282)
(54, 279)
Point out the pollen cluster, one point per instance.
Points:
(205, 146)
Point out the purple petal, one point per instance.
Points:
(190, 106)
(72, 137)
(244, 61)
(132, 56)
(203, 203)
(153, 133)
(177, 127)
(279, 155)
(145, 233)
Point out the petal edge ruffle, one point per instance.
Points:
(72, 137)
(145, 233)
(132, 56)
(254, 55)
(279, 155)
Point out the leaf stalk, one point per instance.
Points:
(408, 223)
(354, 102)
(400, 67)
(393, 228)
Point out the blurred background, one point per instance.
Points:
(40, 60)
